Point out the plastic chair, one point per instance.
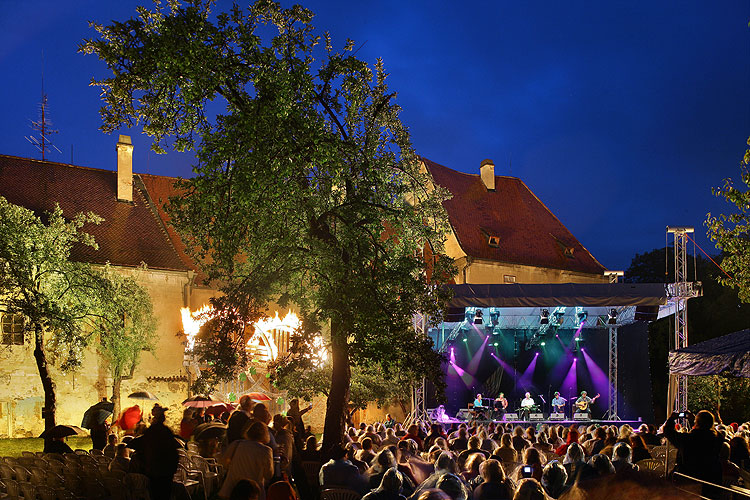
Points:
(339, 494)
(22, 474)
(46, 493)
(38, 476)
(7, 472)
(138, 486)
(79, 451)
(651, 465)
(28, 454)
(96, 453)
(312, 473)
(115, 487)
(28, 490)
(11, 489)
(94, 490)
(210, 478)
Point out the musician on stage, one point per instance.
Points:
(500, 405)
(478, 402)
(583, 403)
(526, 403)
(479, 408)
(558, 403)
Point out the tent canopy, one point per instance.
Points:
(728, 355)
(563, 294)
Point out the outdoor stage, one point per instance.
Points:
(527, 423)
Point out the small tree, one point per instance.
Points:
(56, 296)
(126, 326)
(731, 233)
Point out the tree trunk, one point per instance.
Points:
(50, 401)
(338, 397)
(116, 383)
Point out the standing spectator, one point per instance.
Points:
(240, 419)
(249, 458)
(284, 439)
(698, 449)
(739, 452)
(389, 422)
(158, 454)
(187, 424)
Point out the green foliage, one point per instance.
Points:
(38, 279)
(722, 395)
(731, 233)
(307, 189)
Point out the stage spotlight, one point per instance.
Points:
(543, 343)
(478, 317)
(544, 317)
(612, 317)
(558, 317)
(466, 339)
(494, 316)
(581, 317)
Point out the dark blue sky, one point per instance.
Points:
(620, 116)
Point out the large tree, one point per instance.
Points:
(731, 232)
(55, 296)
(306, 189)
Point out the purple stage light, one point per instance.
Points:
(599, 379)
(525, 380)
(508, 369)
(473, 365)
(570, 382)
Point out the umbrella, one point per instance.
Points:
(129, 417)
(209, 430)
(97, 414)
(200, 402)
(143, 395)
(258, 396)
(59, 431)
(219, 408)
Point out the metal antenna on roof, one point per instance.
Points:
(43, 125)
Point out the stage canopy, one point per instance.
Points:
(564, 294)
(728, 355)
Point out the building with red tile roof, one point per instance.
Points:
(501, 232)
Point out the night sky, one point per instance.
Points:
(620, 116)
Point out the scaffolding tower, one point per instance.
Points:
(680, 291)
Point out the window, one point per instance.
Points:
(11, 326)
(509, 278)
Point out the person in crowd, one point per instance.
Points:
(461, 441)
(249, 458)
(474, 444)
(158, 454)
(187, 424)
(390, 487)
(648, 433)
(284, 440)
(413, 433)
(602, 465)
(533, 459)
(366, 454)
(310, 452)
(622, 458)
(340, 472)
(57, 445)
(436, 431)
(494, 485)
(554, 477)
(471, 474)
(640, 452)
(109, 450)
(296, 414)
(351, 455)
(506, 452)
(529, 489)
(374, 437)
(390, 438)
(389, 421)
(281, 490)
(739, 453)
(262, 415)
(454, 487)
(571, 438)
(121, 460)
(699, 449)
(245, 489)
(519, 442)
(574, 462)
(541, 443)
(240, 419)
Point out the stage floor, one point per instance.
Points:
(526, 423)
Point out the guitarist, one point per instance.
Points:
(583, 403)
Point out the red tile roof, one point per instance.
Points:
(131, 233)
(527, 232)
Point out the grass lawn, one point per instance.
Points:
(14, 447)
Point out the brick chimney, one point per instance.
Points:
(124, 169)
(487, 172)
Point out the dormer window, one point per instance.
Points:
(493, 241)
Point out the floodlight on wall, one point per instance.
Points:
(581, 317)
(612, 317)
(544, 317)
(478, 317)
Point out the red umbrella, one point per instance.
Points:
(129, 417)
(218, 409)
(258, 396)
(200, 402)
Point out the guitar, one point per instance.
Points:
(584, 405)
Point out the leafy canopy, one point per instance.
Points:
(306, 189)
(731, 232)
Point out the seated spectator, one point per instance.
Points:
(366, 454)
(474, 444)
(57, 445)
(390, 437)
(433, 494)
(454, 487)
(390, 487)
(461, 442)
(311, 453)
(281, 490)
(121, 460)
(648, 433)
(574, 462)
(413, 433)
(602, 465)
(436, 431)
(445, 464)
(598, 443)
(109, 450)
(506, 452)
(640, 452)
(572, 437)
(494, 486)
(529, 489)
(340, 472)
(519, 443)
(739, 453)
(532, 458)
(541, 443)
(470, 473)
(245, 489)
(554, 478)
(622, 458)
